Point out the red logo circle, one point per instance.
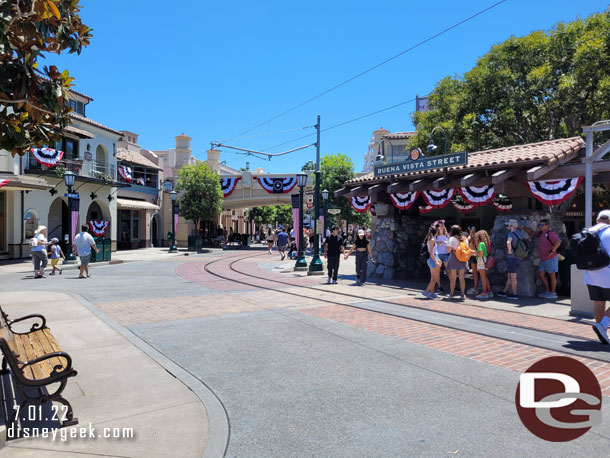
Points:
(558, 399)
(415, 153)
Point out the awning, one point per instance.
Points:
(78, 132)
(22, 182)
(136, 204)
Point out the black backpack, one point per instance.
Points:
(588, 250)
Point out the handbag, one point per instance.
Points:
(490, 263)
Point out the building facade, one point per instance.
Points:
(386, 146)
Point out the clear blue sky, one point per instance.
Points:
(215, 69)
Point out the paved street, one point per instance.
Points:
(308, 369)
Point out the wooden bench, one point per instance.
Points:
(36, 361)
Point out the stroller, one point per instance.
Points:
(293, 251)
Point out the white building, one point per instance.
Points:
(392, 147)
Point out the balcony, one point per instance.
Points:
(102, 170)
(31, 165)
(89, 169)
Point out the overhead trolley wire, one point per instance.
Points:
(417, 45)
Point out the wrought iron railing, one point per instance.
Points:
(75, 166)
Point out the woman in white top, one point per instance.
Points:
(39, 251)
(456, 267)
(441, 247)
(434, 264)
(270, 240)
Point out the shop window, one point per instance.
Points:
(30, 219)
(129, 225)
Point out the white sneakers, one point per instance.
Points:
(602, 333)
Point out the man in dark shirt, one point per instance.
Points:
(333, 247)
(282, 241)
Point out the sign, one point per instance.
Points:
(88, 156)
(334, 211)
(74, 195)
(421, 104)
(425, 163)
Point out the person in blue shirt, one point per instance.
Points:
(282, 240)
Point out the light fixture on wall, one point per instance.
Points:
(88, 146)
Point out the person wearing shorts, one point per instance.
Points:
(512, 261)
(598, 281)
(81, 246)
(56, 254)
(456, 267)
(282, 241)
(548, 244)
(434, 263)
(39, 251)
(482, 241)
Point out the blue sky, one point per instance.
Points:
(215, 69)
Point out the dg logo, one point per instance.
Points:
(559, 399)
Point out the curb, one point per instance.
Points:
(220, 428)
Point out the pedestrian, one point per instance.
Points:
(434, 263)
(598, 281)
(81, 246)
(270, 239)
(548, 244)
(282, 241)
(512, 261)
(472, 230)
(56, 253)
(39, 251)
(333, 248)
(459, 254)
(362, 247)
(481, 243)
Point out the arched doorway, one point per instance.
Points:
(99, 211)
(155, 226)
(59, 221)
(101, 159)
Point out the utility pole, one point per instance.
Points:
(316, 267)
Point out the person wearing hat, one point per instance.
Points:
(598, 281)
(362, 247)
(55, 253)
(512, 261)
(548, 244)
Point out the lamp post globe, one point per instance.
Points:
(301, 263)
(173, 196)
(325, 194)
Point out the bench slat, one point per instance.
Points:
(50, 345)
(26, 354)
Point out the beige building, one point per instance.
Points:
(392, 147)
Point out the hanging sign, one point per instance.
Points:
(73, 195)
(422, 163)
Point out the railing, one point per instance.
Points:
(102, 170)
(32, 165)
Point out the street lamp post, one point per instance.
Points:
(69, 178)
(316, 267)
(173, 195)
(325, 199)
(431, 146)
(301, 263)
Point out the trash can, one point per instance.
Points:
(99, 256)
(107, 250)
(194, 243)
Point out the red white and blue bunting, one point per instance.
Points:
(361, 204)
(478, 195)
(125, 173)
(277, 185)
(461, 204)
(228, 185)
(553, 192)
(3, 182)
(47, 156)
(98, 227)
(404, 200)
(373, 211)
(438, 199)
(503, 204)
(426, 209)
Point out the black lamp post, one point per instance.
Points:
(174, 195)
(69, 178)
(325, 199)
(301, 264)
(431, 146)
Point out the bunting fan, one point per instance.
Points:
(404, 200)
(438, 199)
(478, 195)
(47, 156)
(553, 192)
(503, 204)
(461, 204)
(228, 185)
(373, 211)
(361, 204)
(3, 182)
(277, 185)
(426, 209)
(125, 173)
(98, 227)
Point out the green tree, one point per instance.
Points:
(283, 214)
(34, 106)
(335, 170)
(541, 86)
(201, 195)
(263, 215)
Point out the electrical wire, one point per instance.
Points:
(370, 69)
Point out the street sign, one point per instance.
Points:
(309, 199)
(309, 204)
(74, 195)
(424, 163)
(334, 211)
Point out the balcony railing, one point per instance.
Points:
(102, 170)
(90, 169)
(32, 165)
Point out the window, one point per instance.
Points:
(80, 108)
(30, 220)
(73, 104)
(129, 225)
(69, 147)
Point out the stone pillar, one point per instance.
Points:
(182, 151)
(214, 159)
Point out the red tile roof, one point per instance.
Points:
(545, 153)
(135, 157)
(399, 135)
(94, 123)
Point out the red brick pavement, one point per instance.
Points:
(509, 355)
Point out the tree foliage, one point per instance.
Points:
(335, 170)
(200, 193)
(34, 106)
(282, 214)
(538, 87)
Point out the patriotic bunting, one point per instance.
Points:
(361, 204)
(503, 204)
(373, 211)
(277, 185)
(404, 200)
(461, 204)
(228, 185)
(438, 199)
(3, 182)
(553, 192)
(98, 227)
(478, 195)
(47, 156)
(426, 209)
(125, 173)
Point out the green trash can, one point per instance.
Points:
(194, 243)
(107, 250)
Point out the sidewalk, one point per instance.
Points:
(117, 386)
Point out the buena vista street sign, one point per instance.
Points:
(424, 163)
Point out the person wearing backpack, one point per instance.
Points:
(598, 280)
(548, 244)
(516, 248)
(459, 254)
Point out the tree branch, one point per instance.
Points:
(29, 103)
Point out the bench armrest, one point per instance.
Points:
(55, 354)
(35, 326)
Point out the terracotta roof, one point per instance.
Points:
(399, 135)
(94, 123)
(135, 157)
(544, 153)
